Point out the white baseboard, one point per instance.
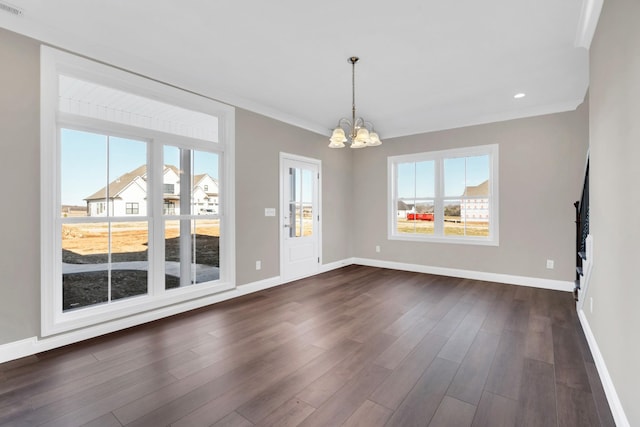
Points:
(34, 345)
(337, 264)
(534, 282)
(587, 266)
(17, 349)
(29, 346)
(607, 383)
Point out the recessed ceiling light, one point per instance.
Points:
(519, 95)
(7, 7)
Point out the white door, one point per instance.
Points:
(300, 216)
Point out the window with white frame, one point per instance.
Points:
(445, 196)
(132, 208)
(128, 151)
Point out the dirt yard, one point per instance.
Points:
(126, 237)
(88, 243)
(451, 228)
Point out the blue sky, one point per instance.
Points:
(458, 173)
(84, 162)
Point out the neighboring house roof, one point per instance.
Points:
(402, 206)
(477, 190)
(119, 184)
(197, 179)
(173, 168)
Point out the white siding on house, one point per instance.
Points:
(475, 210)
(134, 193)
(132, 199)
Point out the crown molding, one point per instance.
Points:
(587, 23)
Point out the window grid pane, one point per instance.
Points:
(102, 261)
(461, 195)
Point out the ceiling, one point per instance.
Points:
(425, 65)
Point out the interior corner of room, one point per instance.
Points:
(540, 169)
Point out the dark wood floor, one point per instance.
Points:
(357, 346)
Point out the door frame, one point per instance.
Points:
(281, 224)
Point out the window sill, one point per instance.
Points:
(443, 239)
(93, 315)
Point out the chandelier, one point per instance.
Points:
(361, 132)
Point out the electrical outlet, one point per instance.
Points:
(377, 248)
(258, 265)
(550, 264)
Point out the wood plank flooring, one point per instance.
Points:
(358, 346)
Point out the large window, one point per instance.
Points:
(446, 196)
(127, 227)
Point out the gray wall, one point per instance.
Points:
(615, 198)
(541, 161)
(540, 175)
(19, 165)
(259, 140)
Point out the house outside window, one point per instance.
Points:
(445, 196)
(105, 265)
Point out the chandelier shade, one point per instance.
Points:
(338, 138)
(374, 140)
(361, 133)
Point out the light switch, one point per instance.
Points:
(269, 211)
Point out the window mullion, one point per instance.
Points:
(155, 168)
(438, 207)
(395, 199)
(108, 218)
(185, 210)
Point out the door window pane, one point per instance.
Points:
(307, 219)
(301, 202)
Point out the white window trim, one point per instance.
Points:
(438, 157)
(55, 62)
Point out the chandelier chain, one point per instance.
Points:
(360, 132)
(353, 97)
